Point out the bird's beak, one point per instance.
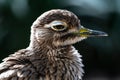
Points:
(84, 32)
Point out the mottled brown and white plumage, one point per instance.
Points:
(50, 55)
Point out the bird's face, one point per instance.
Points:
(61, 28)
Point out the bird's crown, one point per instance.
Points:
(59, 15)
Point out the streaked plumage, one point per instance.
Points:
(50, 55)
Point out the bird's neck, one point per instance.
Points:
(45, 48)
(58, 61)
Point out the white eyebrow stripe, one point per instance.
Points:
(56, 22)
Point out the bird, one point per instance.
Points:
(50, 54)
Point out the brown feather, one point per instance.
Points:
(43, 59)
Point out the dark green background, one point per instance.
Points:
(101, 56)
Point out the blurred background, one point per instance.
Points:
(101, 56)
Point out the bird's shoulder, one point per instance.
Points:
(17, 66)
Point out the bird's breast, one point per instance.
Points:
(60, 65)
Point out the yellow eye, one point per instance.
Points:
(59, 27)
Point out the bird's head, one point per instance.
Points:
(60, 28)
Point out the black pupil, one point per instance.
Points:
(59, 27)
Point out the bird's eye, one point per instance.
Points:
(59, 27)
